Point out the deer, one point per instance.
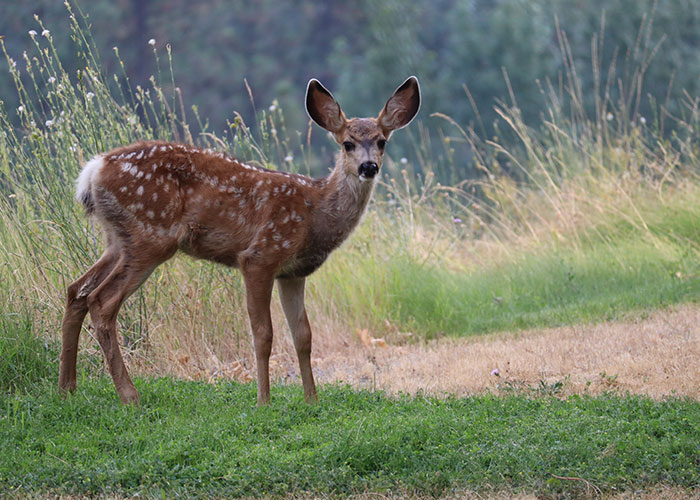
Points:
(156, 198)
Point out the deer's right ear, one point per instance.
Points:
(323, 108)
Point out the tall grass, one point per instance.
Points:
(579, 219)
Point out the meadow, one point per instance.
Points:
(581, 220)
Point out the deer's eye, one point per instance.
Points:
(381, 143)
(349, 146)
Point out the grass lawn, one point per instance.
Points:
(209, 440)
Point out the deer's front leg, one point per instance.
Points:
(292, 298)
(258, 292)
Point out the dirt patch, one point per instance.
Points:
(655, 355)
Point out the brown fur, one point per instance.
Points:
(155, 198)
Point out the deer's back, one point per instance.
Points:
(160, 197)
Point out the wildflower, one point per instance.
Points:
(45, 33)
(403, 160)
(609, 116)
(73, 148)
(52, 79)
(49, 123)
(272, 107)
(457, 220)
(32, 33)
(89, 96)
(13, 63)
(642, 120)
(495, 372)
(20, 109)
(288, 158)
(152, 42)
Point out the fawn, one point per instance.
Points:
(155, 198)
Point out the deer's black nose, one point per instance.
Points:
(368, 169)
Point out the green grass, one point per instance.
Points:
(204, 440)
(560, 288)
(25, 358)
(613, 270)
(208, 440)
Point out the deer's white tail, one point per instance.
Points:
(83, 191)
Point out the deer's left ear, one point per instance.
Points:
(323, 108)
(401, 107)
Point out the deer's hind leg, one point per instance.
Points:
(76, 309)
(104, 303)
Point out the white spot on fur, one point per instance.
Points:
(140, 155)
(139, 191)
(154, 197)
(148, 176)
(150, 214)
(286, 244)
(123, 189)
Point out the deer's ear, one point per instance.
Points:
(323, 108)
(401, 107)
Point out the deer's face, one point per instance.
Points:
(363, 140)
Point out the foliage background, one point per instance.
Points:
(362, 50)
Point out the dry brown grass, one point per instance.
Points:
(655, 355)
(652, 354)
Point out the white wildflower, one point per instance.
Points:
(403, 160)
(49, 123)
(642, 120)
(13, 63)
(20, 109)
(52, 79)
(288, 158)
(152, 42)
(45, 33)
(272, 108)
(89, 96)
(609, 116)
(32, 33)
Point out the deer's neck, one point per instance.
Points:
(342, 204)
